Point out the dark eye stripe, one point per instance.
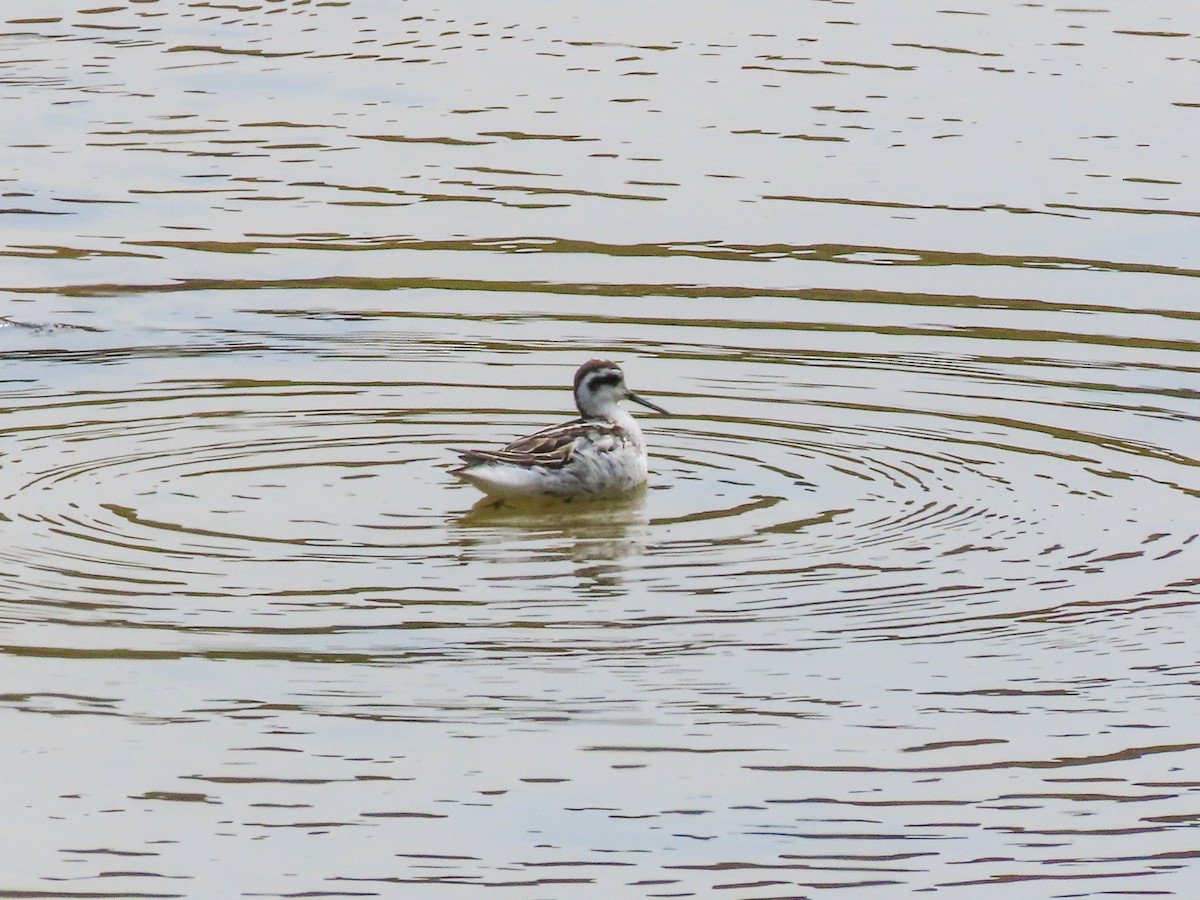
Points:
(610, 378)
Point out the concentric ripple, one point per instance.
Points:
(222, 505)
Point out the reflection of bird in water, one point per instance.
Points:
(600, 454)
(597, 539)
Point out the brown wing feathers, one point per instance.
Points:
(551, 448)
(550, 459)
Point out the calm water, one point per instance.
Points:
(910, 605)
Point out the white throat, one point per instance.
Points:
(604, 405)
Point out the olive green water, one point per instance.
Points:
(910, 605)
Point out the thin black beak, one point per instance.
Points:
(646, 403)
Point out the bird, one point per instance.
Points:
(600, 454)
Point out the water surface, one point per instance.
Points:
(907, 606)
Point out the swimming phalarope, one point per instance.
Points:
(600, 454)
